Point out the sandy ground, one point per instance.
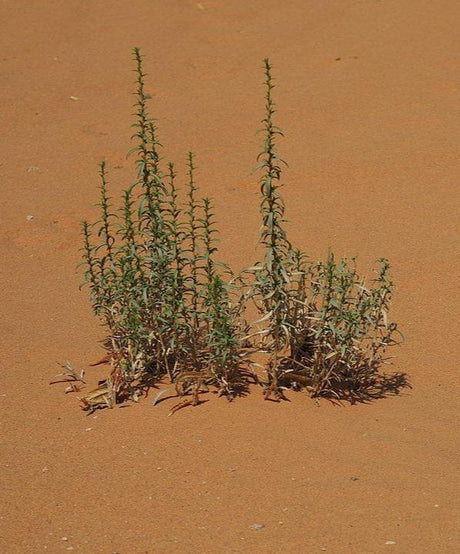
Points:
(367, 93)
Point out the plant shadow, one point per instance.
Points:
(382, 386)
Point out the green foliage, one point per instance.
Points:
(271, 284)
(319, 325)
(154, 282)
(172, 311)
(341, 331)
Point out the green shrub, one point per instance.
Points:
(173, 312)
(155, 283)
(321, 326)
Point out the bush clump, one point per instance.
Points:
(173, 311)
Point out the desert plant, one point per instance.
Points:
(173, 311)
(271, 284)
(320, 326)
(342, 331)
(154, 282)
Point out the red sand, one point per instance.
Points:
(372, 144)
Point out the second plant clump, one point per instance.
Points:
(173, 311)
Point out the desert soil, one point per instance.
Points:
(367, 92)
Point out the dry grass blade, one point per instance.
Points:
(159, 394)
(71, 376)
(101, 397)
